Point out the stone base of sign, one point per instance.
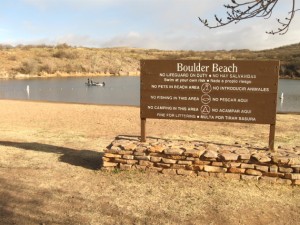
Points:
(194, 158)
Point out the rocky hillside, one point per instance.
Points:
(64, 60)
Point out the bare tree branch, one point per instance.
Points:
(237, 11)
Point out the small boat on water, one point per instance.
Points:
(91, 83)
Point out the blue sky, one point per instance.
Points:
(160, 24)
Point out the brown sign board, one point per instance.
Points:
(210, 90)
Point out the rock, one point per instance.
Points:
(253, 172)
(169, 161)
(139, 153)
(293, 176)
(128, 157)
(196, 167)
(157, 148)
(247, 166)
(107, 159)
(200, 148)
(285, 170)
(173, 151)
(125, 167)
(220, 164)
(131, 161)
(163, 165)
(145, 163)
(176, 166)
(234, 164)
(130, 147)
(144, 157)
(140, 149)
(124, 152)
(241, 151)
(190, 158)
(269, 174)
(245, 156)
(296, 182)
(264, 159)
(155, 159)
(112, 150)
(187, 147)
(236, 170)
(193, 153)
(280, 159)
(177, 157)
(210, 154)
(229, 156)
(212, 147)
(273, 169)
(109, 155)
(183, 162)
(261, 158)
(294, 161)
(224, 151)
(109, 164)
(201, 162)
(249, 177)
(214, 169)
(262, 168)
(124, 161)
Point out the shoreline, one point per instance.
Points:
(95, 104)
(62, 75)
(66, 75)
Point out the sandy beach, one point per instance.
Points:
(50, 170)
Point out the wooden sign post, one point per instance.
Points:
(210, 90)
(143, 129)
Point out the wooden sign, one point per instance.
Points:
(210, 90)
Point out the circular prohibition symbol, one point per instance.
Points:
(206, 88)
(205, 109)
(205, 99)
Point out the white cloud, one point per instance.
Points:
(79, 4)
(163, 24)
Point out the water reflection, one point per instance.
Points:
(28, 92)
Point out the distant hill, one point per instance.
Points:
(64, 60)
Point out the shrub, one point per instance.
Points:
(29, 67)
(63, 53)
(63, 46)
(12, 58)
(5, 47)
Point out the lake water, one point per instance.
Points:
(117, 91)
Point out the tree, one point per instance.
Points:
(243, 10)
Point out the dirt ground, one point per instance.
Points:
(50, 159)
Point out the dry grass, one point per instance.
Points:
(50, 155)
(63, 60)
